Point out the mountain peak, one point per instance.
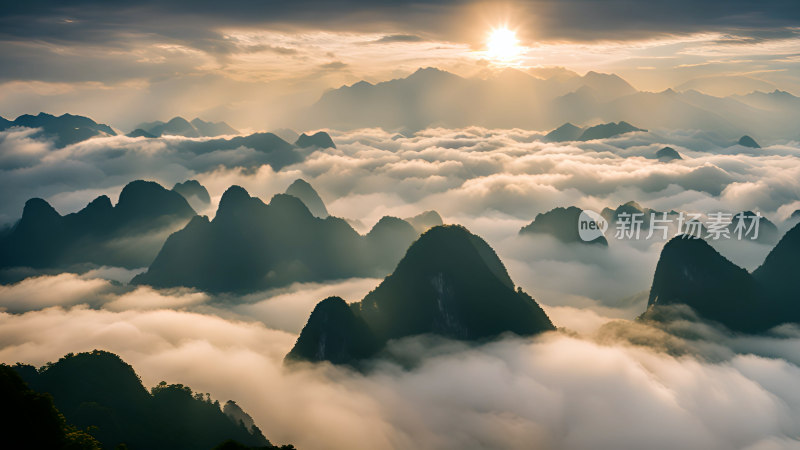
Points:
(566, 132)
(301, 189)
(38, 209)
(233, 197)
(747, 141)
(333, 333)
(178, 121)
(607, 130)
(667, 154)
(424, 221)
(192, 189)
(66, 129)
(450, 283)
(562, 224)
(101, 203)
(141, 200)
(290, 206)
(690, 272)
(319, 139)
(212, 129)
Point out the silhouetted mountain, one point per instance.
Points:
(251, 245)
(747, 141)
(99, 234)
(269, 148)
(334, 333)
(302, 190)
(63, 130)
(178, 126)
(449, 283)
(100, 390)
(141, 133)
(607, 130)
(795, 214)
(564, 133)
(211, 129)
(691, 273)
(767, 231)
(778, 275)
(320, 139)
(424, 221)
(667, 154)
(237, 414)
(389, 239)
(562, 224)
(31, 419)
(194, 193)
(629, 209)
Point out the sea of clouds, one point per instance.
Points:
(601, 381)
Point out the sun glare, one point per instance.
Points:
(502, 45)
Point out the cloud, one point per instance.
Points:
(392, 38)
(492, 181)
(558, 390)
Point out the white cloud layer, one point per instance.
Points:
(559, 390)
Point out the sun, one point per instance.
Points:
(502, 45)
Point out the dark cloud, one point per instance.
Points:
(95, 21)
(398, 38)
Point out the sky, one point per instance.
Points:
(603, 380)
(257, 64)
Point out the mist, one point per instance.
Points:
(563, 389)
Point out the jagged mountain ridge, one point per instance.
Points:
(65, 130)
(250, 245)
(178, 126)
(43, 238)
(512, 98)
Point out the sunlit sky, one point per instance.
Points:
(249, 64)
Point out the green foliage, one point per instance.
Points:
(32, 420)
(99, 390)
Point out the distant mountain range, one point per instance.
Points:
(64, 130)
(250, 245)
(570, 132)
(178, 126)
(691, 273)
(449, 283)
(562, 224)
(99, 234)
(98, 390)
(512, 98)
